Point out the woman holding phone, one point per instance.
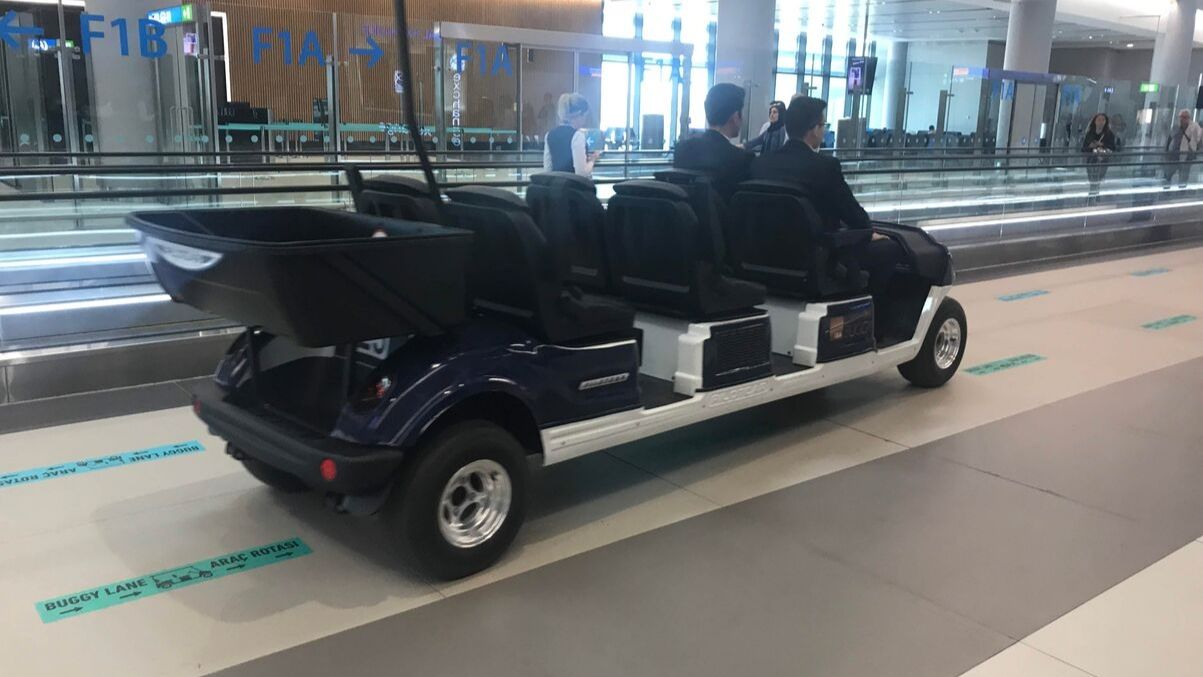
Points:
(566, 149)
(1099, 143)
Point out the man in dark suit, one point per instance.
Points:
(820, 176)
(713, 152)
(799, 161)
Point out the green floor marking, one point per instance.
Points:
(1023, 295)
(1170, 322)
(1005, 364)
(99, 463)
(1150, 272)
(112, 594)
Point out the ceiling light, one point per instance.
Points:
(1130, 45)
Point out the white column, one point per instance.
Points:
(1172, 50)
(1029, 48)
(1030, 36)
(744, 52)
(895, 87)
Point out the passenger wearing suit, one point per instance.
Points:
(820, 176)
(713, 152)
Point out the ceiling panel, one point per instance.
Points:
(939, 20)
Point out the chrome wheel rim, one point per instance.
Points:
(475, 503)
(948, 343)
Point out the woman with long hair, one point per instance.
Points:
(1098, 144)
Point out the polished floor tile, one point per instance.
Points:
(1020, 660)
(992, 550)
(709, 597)
(1151, 624)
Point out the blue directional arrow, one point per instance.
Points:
(373, 50)
(9, 31)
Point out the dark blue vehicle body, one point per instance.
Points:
(494, 369)
(431, 375)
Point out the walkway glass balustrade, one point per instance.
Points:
(70, 272)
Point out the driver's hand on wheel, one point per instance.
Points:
(879, 236)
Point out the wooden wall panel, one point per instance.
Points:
(367, 94)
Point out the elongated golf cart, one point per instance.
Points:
(413, 357)
(415, 373)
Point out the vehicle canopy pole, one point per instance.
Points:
(407, 98)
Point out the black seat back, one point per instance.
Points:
(511, 271)
(708, 207)
(777, 239)
(659, 259)
(566, 209)
(396, 197)
(651, 234)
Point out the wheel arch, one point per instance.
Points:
(506, 409)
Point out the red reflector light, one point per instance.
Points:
(329, 470)
(196, 407)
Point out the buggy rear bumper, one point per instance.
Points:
(360, 469)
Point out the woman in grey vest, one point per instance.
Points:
(566, 148)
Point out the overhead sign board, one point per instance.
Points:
(172, 15)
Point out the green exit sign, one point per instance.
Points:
(1149, 88)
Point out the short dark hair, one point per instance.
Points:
(804, 114)
(722, 101)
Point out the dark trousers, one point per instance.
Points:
(1182, 169)
(879, 258)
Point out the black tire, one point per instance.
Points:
(272, 477)
(412, 514)
(924, 371)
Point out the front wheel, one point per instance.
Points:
(943, 348)
(459, 504)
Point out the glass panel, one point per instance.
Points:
(546, 74)
(480, 94)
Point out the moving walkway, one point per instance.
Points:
(73, 279)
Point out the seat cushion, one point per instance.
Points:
(577, 317)
(724, 296)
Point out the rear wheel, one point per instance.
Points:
(459, 504)
(272, 477)
(943, 348)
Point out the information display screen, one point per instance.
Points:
(861, 71)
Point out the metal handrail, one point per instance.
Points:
(342, 187)
(1026, 162)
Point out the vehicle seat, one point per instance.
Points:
(514, 272)
(393, 196)
(707, 205)
(778, 239)
(566, 208)
(661, 257)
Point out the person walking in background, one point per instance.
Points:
(1181, 148)
(772, 134)
(547, 115)
(1098, 144)
(566, 148)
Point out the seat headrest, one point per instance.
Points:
(485, 196)
(397, 184)
(683, 177)
(771, 187)
(564, 180)
(651, 189)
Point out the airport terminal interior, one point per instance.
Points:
(429, 337)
